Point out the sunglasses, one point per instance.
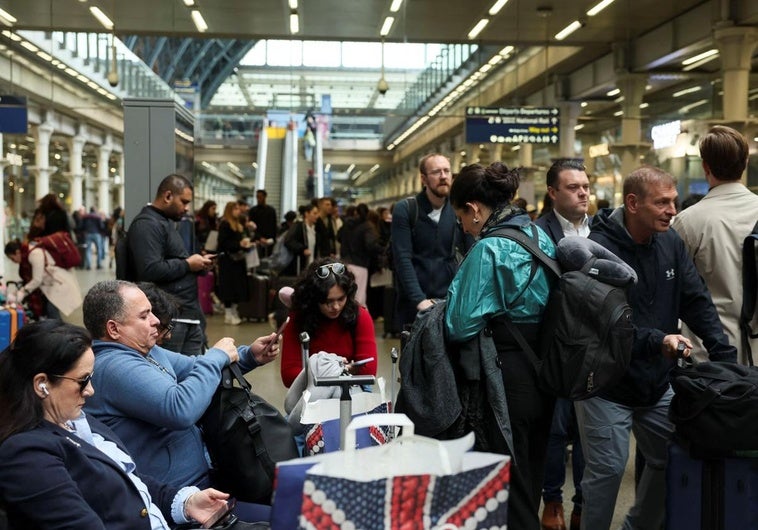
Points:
(83, 382)
(323, 271)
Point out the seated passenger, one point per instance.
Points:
(61, 469)
(152, 397)
(324, 305)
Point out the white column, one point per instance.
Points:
(44, 132)
(569, 118)
(76, 149)
(262, 158)
(525, 156)
(103, 176)
(289, 166)
(122, 184)
(736, 45)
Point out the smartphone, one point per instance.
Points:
(278, 336)
(221, 514)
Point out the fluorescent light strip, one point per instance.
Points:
(29, 46)
(619, 113)
(579, 127)
(189, 3)
(199, 21)
(644, 105)
(387, 26)
(687, 108)
(700, 56)
(294, 23)
(101, 17)
(700, 63)
(6, 18)
(686, 91)
(613, 92)
(292, 4)
(476, 30)
(395, 6)
(599, 7)
(496, 7)
(568, 30)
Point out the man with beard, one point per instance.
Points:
(425, 239)
(158, 255)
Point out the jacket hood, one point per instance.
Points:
(610, 222)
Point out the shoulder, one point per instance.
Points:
(545, 220)
(364, 316)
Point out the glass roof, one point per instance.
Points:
(298, 74)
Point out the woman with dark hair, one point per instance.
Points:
(233, 245)
(360, 248)
(496, 283)
(61, 469)
(206, 220)
(324, 305)
(50, 217)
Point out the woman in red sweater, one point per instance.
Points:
(324, 305)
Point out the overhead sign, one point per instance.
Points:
(512, 125)
(13, 115)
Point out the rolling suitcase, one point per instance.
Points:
(256, 306)
(713, 493)
(205, 286)
(11, 320)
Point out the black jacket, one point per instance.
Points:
(668, 288)
(360, 244)
(157, 254)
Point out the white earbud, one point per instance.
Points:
(43, 387)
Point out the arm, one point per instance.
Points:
(162, 402)
(292, 363)
(294, 239)
(147, 246)
(37, 261)
(53, 499)
(401, 240)
(228, 239)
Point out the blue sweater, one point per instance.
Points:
(153, 406)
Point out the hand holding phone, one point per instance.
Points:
(271, 343)
(221, 514)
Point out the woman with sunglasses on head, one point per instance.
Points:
(62, 469)
(324, 305)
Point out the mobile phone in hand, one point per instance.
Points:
(278, 336)
(221, 514)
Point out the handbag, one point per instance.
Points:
(245, 436)
(715, 406)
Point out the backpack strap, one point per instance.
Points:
(749, 287)
(531, 244)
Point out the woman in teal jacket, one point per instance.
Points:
(493, 283)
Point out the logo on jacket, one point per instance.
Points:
(670, 274)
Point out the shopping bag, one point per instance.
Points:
(290, 474)
(412, 482)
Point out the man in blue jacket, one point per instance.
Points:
(149, 396)
(425, 238)
(669, 288)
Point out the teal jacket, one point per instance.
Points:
(492, 277)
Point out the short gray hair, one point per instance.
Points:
(104, 302)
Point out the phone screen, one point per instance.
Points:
(221, 514)
(278, 335)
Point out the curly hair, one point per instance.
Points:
(310, 291)
(493, 185)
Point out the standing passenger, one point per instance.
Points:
(496, 282)
(714, 229)
(569, 189)
(424, 247)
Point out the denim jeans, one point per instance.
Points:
(563, 431)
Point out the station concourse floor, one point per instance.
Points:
(267, 382)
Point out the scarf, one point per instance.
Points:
(499, 215)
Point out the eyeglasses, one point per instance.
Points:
(439, 172)
(323, 271)
(164, 331)
(83, 382)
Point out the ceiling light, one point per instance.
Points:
(700, 63)
(619, 113)
(6, 18)
(350, 168)
(583, 104)
(189, 3)
(101, 17)
(686, 91)
(478, 28)
(496, 7)
(644, 105)
(395, 6)
(294, 23)
(687, 108)
(199, 21)
(613, 92)
(568, 30)
(700, 56)
(506, 51)
(292, 4)
(599, 7)
(387, 26)
(374, 168)
(578, 126)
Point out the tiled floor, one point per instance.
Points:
(267, 382)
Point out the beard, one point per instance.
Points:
(441, 191)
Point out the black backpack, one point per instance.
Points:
(749, 290)
(586, 333)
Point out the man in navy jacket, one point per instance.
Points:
(668, 288)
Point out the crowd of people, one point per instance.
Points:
(148, 339)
